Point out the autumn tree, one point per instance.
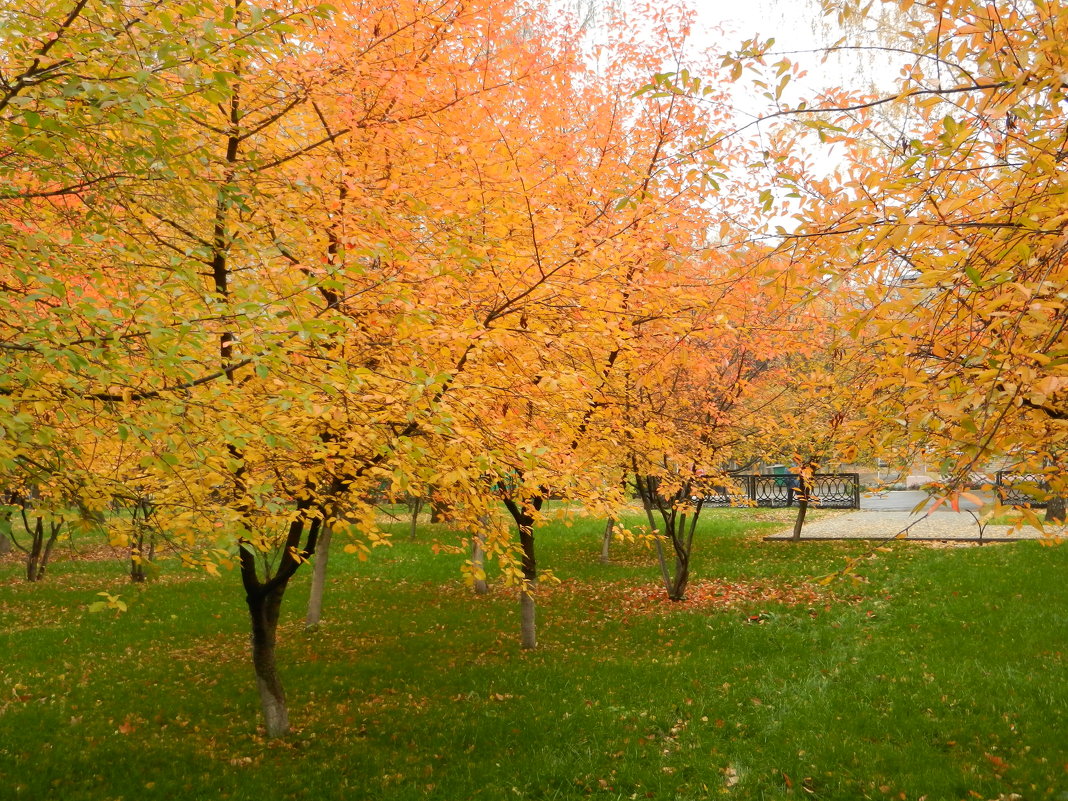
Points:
(200, 273)
(43, 521)
(937, 204)
(950, 213)
(713, 396)
(588, 224)
(313, 246)
(355, 257)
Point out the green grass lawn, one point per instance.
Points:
(942, 674)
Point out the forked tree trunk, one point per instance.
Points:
(645, 492)
(264, 609)
(40, 550)
(679, 528)
(606, 543)
(677, 592)
(682, 540)
(264, 600)
(318, 580)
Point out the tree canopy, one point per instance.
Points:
(265, 265)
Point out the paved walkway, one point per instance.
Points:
(885, 524)
(907, 500)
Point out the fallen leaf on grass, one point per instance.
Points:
(999, 764)
(730, 776)
(719, 594)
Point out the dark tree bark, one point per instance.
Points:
(35, 566)
(264, 608)
(264, 600)
(143, 545)
(439, 510)
(1055, 509)
(799, 521)
(525, 521)
(804, 487)
(678, 529)
(5, 531)
(42, 540)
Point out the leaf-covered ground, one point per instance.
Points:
(937, 673)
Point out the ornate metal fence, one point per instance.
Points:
(1022, 489)
(828, 491)
(730, 496)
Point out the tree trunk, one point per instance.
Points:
(318, 580)
(264, 609)
(34, 555)
(606, 543)
(682, 540)
(416, 505)
(41, 548)
(528, 627)
(679, 528)
(677, 591)
(1055, 509)
(525, 521)
(478, 565)
(264, 601)
(802, 507)
(137, 558)
(799, 521)
(439, 510)
(645, 491)
(139, 555)
(53, 536)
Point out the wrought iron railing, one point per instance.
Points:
(1022, 489)
(827, 491)
(729, 496)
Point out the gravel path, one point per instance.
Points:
(883, 525)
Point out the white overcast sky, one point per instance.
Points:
(799, 29)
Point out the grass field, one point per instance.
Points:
(943, 674)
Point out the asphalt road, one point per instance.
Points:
(907, 500)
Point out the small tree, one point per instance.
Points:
(42, 527)
(679, 511)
